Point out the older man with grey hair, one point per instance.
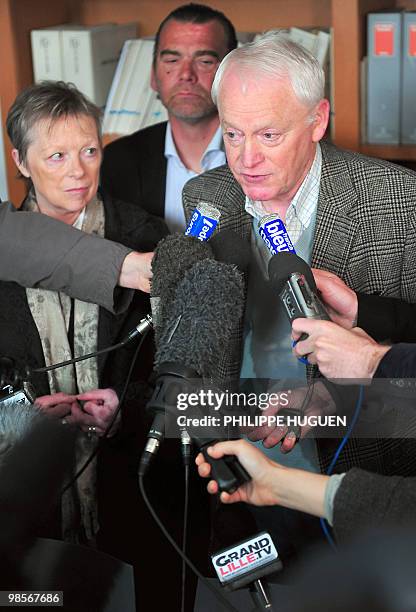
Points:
(344, 212)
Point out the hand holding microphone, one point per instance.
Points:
(340, 301)
(340, 350)
(136, 271)
(270, 482)
(339, 353)
(260, 490)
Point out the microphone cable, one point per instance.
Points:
(141, 328)
(215, 590)
(323, 521)
(105, 435)
(184, 536)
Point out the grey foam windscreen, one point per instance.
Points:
(173, 256)
(208, 302)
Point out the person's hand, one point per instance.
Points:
(56, 405)
(98, 409)
(136, 271)
(340, 301)
(259, 491)
(339, 353)
(318, 401)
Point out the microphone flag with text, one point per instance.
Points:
(246, 564)
(203, 222)
(175, 253)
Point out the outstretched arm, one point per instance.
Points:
(271, 483)
(37, 251)
(338, 353)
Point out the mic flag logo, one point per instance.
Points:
(203, 222)
(274, 233)
(245, 557)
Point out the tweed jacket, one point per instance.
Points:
(134, 169)
(365, 233)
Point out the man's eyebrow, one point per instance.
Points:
(169, 52)
(210, 52)
(199, 53)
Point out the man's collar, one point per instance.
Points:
(170, 149)
(216, 143)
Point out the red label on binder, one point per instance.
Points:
(384, 39)
(412, 41)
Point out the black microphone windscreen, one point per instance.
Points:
(282, 265)
(231, 248)
(209, 300)
(172, 257)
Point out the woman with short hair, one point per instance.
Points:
(55, 132)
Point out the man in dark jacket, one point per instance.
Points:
(151, 166)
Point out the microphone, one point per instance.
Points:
(203, 222)
(208, 301)
(142, 328)
(231, 248)
(293, 280)
(172, 257)
(245, 563)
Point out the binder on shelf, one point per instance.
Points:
(156, 112)
(132, 104)
(136, 91)
(363, 99)
(408, 106)
(122, 76)
(84, 55)
(384, 78)
(91, 55)
(317, 42)
(47, 53)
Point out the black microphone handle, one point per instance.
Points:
(226, 471)
(171, 380)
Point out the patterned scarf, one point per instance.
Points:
(51, 312)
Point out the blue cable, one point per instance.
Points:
(323, 521)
